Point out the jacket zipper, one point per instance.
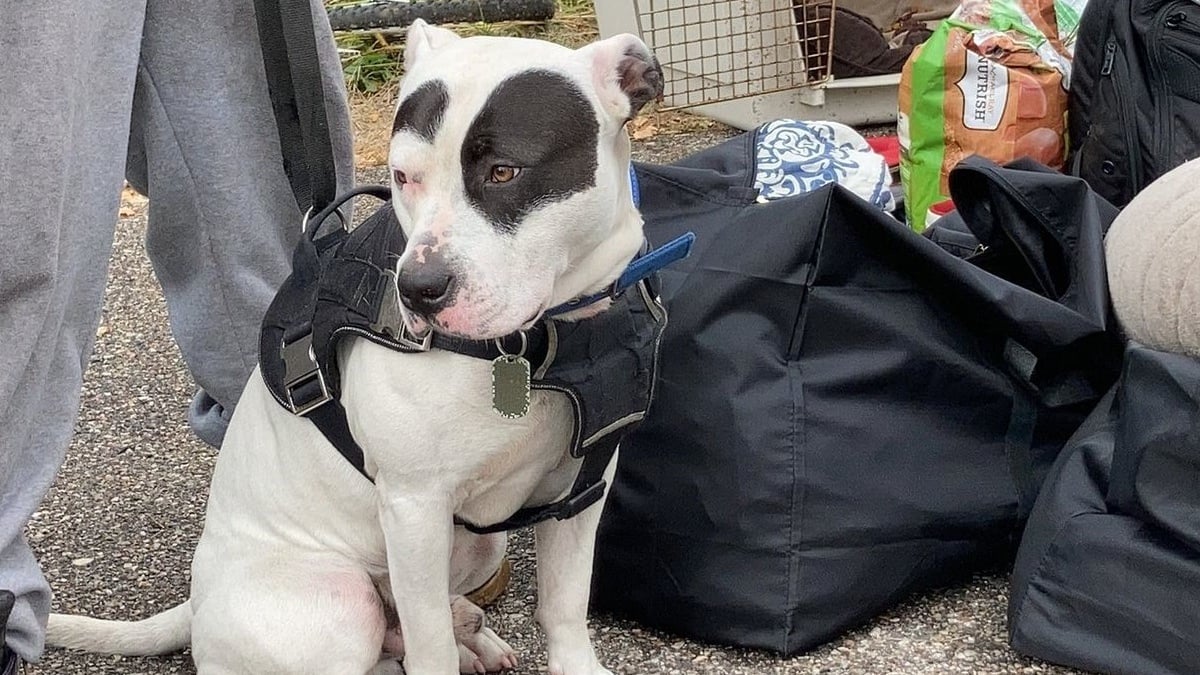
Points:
(1110, 55)
(1184, 27)
(1168, 18)
(1130, 135)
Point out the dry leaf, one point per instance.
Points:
(644, 132)
(131, 196)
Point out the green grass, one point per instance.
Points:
(372, 60)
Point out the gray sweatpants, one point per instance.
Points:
(172, 94)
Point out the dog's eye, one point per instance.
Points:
(503, 174)
(399, 176)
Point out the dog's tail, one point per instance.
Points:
(163, 633)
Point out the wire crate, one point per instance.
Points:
(745, 62)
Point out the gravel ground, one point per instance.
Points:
(116, 532)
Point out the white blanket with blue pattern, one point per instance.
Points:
(793, 157)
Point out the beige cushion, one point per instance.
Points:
(1153, 251)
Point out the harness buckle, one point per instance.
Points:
(412, 341)
(391, 318)
(300, 373)
(575, 505)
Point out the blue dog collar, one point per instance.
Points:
(640, 268)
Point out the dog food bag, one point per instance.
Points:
(1067, 14)
(991, 80)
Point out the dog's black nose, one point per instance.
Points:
(425, 289)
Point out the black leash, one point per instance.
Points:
(289, 46)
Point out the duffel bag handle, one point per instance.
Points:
(1035, 231)
(1043, 230)
(1015, 225)
(1031, 221)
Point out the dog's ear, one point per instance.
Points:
(626, 74)
(423, 39)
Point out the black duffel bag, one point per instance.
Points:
(1108, 574)
(847, 413)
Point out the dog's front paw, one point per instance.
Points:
(569, 646)
(387, 667)
(480, 650)
(592, 668)
(578, 659)
(485, 652)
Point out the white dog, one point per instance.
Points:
(511, 183)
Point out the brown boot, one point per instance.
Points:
(490, 591)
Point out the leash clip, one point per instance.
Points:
(300, 372)
(308, 214)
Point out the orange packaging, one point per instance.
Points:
(990, 82)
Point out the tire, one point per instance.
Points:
(398, 13)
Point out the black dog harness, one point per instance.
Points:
(343, 284)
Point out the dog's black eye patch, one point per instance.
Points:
(542, 124)
(423, 110)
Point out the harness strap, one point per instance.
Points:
(356, 284)
(309, 396)
(588, 488)
(330, 420)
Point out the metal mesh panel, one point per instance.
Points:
(719, 50)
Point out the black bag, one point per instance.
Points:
(1108, 574)
(1134, 105)
(846, 412)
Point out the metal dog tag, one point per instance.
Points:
(510, 386)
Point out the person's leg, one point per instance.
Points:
(223, 221)
(67, 81)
